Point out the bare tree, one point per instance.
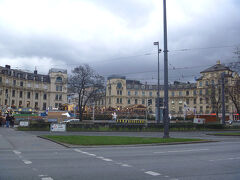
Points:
(234, 94)
(215, 98)
(87, 84)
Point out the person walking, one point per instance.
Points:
(12, 121)
(8, 119)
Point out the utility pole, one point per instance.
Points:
(158, 93)
(165, 119)
(223, 100)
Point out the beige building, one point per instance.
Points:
(24, 89)
(184, 98)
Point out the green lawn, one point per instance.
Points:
(228, 134)
(113, 140)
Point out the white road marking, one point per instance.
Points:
(152, 173)
(47, 178)
(126, 165)
(225, 159)
(41, 175)
(16, 152)
(186, 150)
(106, 159)
(77, 150)
(27, 162)
(100, 157)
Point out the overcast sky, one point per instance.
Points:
(116, 37)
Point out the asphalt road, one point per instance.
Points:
(25, 156)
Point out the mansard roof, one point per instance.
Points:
(216, 67)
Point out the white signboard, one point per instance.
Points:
(58, 127)
(198, 120)
(24, 123)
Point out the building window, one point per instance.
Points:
(136, 101)
(206, 91)
(201, 100)
(13, 102)
(20, 94)
(212, 82)
(129, 93)
(201, 109)
(226, 99)
(143, 93)
(180, 109)
(120, 100)
(200, 92)
(172, 101)
(28, 95)
(60, 97)
(150, 93)
(59, 79)
(56, 97)
(56, 105)
(129, 101)
(195, 92)
(36, 95)
(28, 104)
(44, 106)
(206, 83)
(36, 105)
(180, 93)
(117, 100)
(14, 82)
(187, 93)
(172, 93)
(194, 101)
(20, 103)
(58, 88)
(21, 83)
(13, 93)
(200, 83)
(207, 100)
(187, 101)
(44, 96)
(136, 93)
(227, 108)
(143, 101)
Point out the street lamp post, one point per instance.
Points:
(158, 94)
(165, 118)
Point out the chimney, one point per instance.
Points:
(7, 66)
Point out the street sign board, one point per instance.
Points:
(58, 127)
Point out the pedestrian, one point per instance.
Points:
(12, 121)
(8, 118)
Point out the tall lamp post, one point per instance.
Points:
(165, 118)
(158, 94)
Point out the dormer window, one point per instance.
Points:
(59, 79)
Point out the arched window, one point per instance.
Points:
(58, 79)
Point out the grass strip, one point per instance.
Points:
(113, 140)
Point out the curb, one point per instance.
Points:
(222, 135)
(132, 145)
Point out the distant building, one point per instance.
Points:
(24, 89)
(183, 97)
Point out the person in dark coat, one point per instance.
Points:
(12, 121)
(8, 119)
